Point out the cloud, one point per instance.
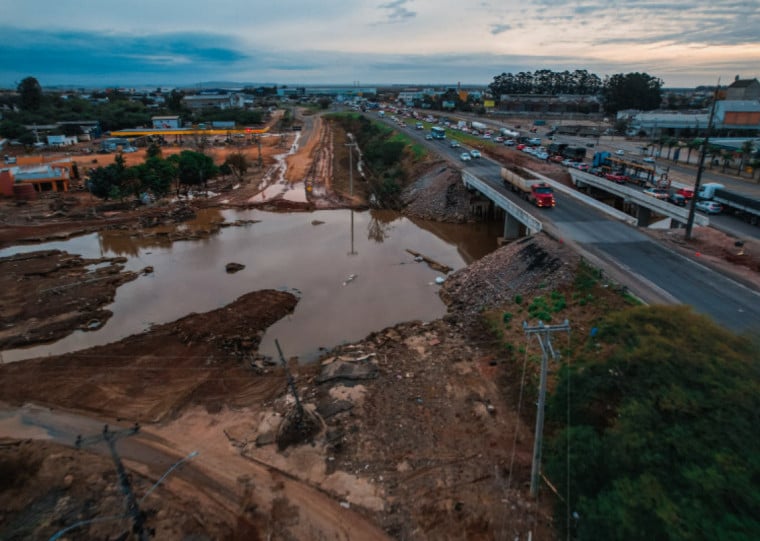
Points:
(497, 29)
(84, 55)
(397, 11)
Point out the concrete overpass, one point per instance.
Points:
(514, 215)
(646, 204)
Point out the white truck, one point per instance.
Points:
(478, 126)
(509, 133)
(741, 205)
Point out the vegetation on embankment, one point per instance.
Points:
(390, 159)
(656, 430)
(651, 418)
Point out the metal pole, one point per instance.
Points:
(701, 167)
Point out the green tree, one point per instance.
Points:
(193, 168)
(694, 144)
(153, 151)
(632, 91)
(30, 93)
(746, 153)
(663, 437)
(156, 175)
(109, 182)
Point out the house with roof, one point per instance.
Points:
(743, 89)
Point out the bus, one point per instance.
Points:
(438, 133)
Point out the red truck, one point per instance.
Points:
(524, 182)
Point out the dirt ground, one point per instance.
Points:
(413, 433)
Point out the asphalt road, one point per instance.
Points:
(651, 270)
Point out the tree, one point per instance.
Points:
(663, 441)
(193, 168)
(156, 175)
(238, 164)
(632, 91)
(30, 93)
(694, 144)
(746, 152)
(109, 182)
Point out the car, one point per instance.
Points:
(541, 155)
(509, 142)
(567, 162)
(656, 193)
(616, 177)
(454, 143)
(688, 193)
(535, 141)
(475, 153)
(429, 137)
(582, 166)
(557, 158)
(465, 156)
(620, 152)
(710, 207)
(648, 159)
(677, 199)
(520, 146)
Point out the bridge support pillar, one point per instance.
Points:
(511, 227)
(643, 214)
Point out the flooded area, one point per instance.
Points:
(351, 270)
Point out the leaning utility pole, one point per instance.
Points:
(291, 385)
(701, 167)
(544, 334)
(111, 437)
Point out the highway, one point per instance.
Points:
(649, 269)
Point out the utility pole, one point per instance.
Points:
(351, 147)
(133, 509)
(291, 385)
(701, 167)
(544, 334)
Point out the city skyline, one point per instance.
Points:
(373, 43)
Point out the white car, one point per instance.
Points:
(465, 156)
(475, 153)
(620, 152)
(454, 143)
(649, 159)
(710, 207)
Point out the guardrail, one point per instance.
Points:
(500, 200)
(588, 200)
(629, 194)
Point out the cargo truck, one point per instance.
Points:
(478, 126)
(528, 186)
(744, 206)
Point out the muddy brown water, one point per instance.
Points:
(352, 273)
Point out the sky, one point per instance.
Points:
(132, 43)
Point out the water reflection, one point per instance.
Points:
(379, 227)
(281, 250)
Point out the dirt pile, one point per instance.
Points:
(438, 195)
(529, 264)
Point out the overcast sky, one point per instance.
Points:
(168, 42)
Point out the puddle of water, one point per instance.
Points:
(281, 251)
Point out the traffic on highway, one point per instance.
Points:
(657, 273)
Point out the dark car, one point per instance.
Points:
(677, 199)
